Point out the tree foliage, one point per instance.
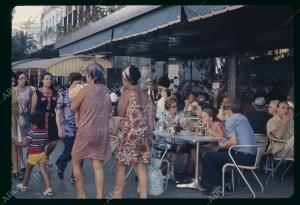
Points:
(46, 52)
(22, 44)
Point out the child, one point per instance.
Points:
(36, 141)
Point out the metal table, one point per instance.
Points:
(191, 137)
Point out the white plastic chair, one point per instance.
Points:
(259, 152)
(263, 138)
(280, 159)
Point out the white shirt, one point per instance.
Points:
(160, 107)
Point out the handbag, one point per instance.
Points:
(155, 177)
(19, 138)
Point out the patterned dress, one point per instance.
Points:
(46, 104)
(92, 139)
(68, 117)
(24, 101)
(134, 146)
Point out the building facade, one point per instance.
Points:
(51, 20)
(35, 31)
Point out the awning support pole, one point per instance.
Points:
(232, 76)
(39, 77)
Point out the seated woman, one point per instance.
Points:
(171, 116)
(215, 129)
(191, 105)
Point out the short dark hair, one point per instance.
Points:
(37, 119)
(282, 101)
(42, 78)
(234, 107)
(74, 76)
(18, 75)
(211, 113)
(135, 74)
(169, 101)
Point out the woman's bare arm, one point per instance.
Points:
(124, 100)
(33, 102)
(78, 100)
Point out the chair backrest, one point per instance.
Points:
(259, 152)
(261, 138)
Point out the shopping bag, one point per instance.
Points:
(155, 177)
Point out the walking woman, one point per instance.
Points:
(134, 147)
(24, 94)
(14, 129)
(44, 101)
(92, 139)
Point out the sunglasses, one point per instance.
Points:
(22, 78)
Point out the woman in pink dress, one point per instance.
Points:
(134, 147)
(92, 139)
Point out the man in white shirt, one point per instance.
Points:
(162, 88)
(150, 90)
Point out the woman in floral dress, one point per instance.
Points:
(134, 147)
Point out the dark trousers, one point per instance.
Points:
(213, 163)
(66, 156)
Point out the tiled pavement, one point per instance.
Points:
(64, 189)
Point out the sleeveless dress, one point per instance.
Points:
(24, 100)
(134, 146)
(92, 139)
(46, 105)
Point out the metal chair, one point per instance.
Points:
(263, 138)
(259, 152)
(280, 159)
(160, 151)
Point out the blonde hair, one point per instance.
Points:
(169, 101)
(273, 103)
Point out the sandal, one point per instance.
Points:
(18, 176)
(22, 171)
(21, 187)
(48, 192)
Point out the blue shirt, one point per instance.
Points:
(239, 126)
(64, 104)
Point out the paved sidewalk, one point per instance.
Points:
(65, 189)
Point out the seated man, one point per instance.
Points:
(238, 132)
(281, 126)
(258, 119)
(223, 112)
